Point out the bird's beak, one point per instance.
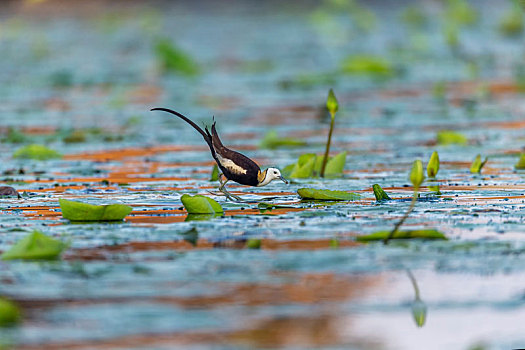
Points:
(283, 179)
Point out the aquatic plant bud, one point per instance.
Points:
(416, 174)
(477, 165)
(419, 312)
(331, 103)
(380, 194)
(433, 165)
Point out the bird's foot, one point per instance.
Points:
(228, 195)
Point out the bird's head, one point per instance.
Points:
(272, 174)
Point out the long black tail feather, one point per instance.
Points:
(205, 135)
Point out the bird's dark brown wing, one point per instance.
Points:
(234, 165)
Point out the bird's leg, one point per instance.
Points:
(225, 192)
(220, 187)
(230, 196)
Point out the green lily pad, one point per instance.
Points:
(35, 246)
(327, 195)
(304, 167)
(15, 136)
(461, 12)
(448, 137)
(37, 152)
(9, 313)
(406, 234)
(200, 205)
(511, 24)
(380, 194)
(253, 243)
(336, 165)
(367, 65)
(287, 170)
(173, 59)
(272, 141)
(78, 211)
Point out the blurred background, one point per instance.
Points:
(81, 77)
(228, 58)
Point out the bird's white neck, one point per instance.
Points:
(266, 179)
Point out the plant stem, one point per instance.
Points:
(414, 284)
(412, 205)
(327, 151)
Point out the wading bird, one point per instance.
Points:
(234, 166)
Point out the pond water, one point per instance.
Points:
(81, 78)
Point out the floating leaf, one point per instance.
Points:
(327, 195)
(173, 59)
(380, 194)
(447, 137)
(214, 173)
(287, 170)
(408, 234)
(272, 141)
(200, 205)
(416, 174)
(37, 152)
(367, 65)
(35, 246)
(308, 80)
(253, 243)
(78, 211)
(460, 12)
(331, 103)
(9, 191)
(511, 23)
(304, 167)
(477, 164)
(419, 312)
(336, 165)
(9, 313)
(433, 165)
(521, 162)
(15, 136)
(75, 136)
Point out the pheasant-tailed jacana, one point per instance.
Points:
(234, 166)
